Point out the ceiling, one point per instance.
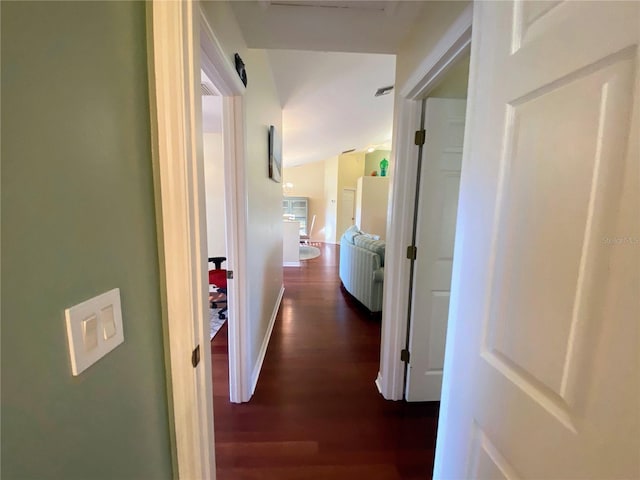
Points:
(337, 26)
(328, 58)
(329, 104)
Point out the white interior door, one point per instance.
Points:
(541, 376)
(348, 210)
(435, 232)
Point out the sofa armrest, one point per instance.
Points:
(362, 274)
(378, 275)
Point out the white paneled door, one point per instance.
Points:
(435, 231)
(348, 209)
(541, 374)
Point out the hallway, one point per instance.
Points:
(316, 412)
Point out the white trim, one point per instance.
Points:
(453, 44)
(265, 342)
(235, 221)
(180, 212)
(215, 62)
(379, 383)
(396, 268)
(290, 264)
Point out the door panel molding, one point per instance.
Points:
(542, 331)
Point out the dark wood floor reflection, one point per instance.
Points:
(316, 413)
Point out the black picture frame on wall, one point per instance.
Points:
(275, 155)
(241, 69)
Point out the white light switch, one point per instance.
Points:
(90, 333)
(94, 328)
(108, 322)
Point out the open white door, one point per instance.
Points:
(435, 231)
(541, 376)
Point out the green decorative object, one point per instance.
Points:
(384, 164)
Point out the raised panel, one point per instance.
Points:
(532, 11)
(437, 331)
(451, 159)
(486, 468)
(551, 191)
(454, 133)
(530, 19)
(448, 215)
(545, 214)
(487, 462)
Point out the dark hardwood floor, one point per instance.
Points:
(316, 412)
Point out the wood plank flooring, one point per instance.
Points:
(316, 412)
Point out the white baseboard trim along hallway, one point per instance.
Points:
(265, 343)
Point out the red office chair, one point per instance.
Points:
(218, 278)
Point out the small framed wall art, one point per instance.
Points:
(275, 155)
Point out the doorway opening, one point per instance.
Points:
(214, 178)
(427, 80)
(439, 166)
(225, 198)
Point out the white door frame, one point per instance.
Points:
(224, 77)
(450, 48)
(174, 58)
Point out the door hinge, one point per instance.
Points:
(229, 274)
(412, 252)
(195, 357)
(421, 136)
(404, 355)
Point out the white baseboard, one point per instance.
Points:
(379, 383)
(265, 342)
(290, 264)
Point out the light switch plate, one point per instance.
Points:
(94, 328)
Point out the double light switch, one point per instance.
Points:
(94, 328)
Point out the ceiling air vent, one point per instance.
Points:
(349, 151)
(207, 91)
(384, 91)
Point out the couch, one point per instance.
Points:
(362, 267)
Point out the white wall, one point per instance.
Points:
(265, 230)
(264, 197)
(371, 205)
(214, 185)
(456, 81)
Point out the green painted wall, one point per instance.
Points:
(372, 161)
(455, 82)
(77, 220)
